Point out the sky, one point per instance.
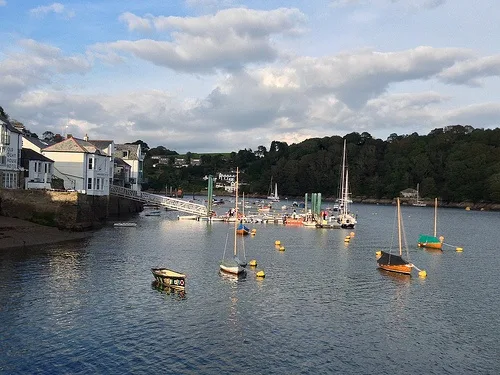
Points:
(220, 76)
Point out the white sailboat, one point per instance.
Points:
(418, 202)
(273, 195)
(346, 219)
(233, 265)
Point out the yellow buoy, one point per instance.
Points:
(459, 249)
(277, 242)
(441, 239)
(378, 253)
(282, 248)
(260, 274)
(253, 232)
(422, 273)
(467, 208)
(252, 263)
(352, 234)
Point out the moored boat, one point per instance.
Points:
(169, 278)
(431, 242)
(125, 224)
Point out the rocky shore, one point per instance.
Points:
(20, 233)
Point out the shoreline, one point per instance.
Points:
(17, 233)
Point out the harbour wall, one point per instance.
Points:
(62, 209)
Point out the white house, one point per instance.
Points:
(108, 148)
(10, 154)
(132, 155)
(38, 169)
(82, 166)
(35, 144)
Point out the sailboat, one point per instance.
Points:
(418, 202)
(273, 195)
(345, 218)
(396, 263)
(431, 242)
(234, 265)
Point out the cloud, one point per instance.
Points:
(409, 4)
(359, 76)
(3, 3)
(56, 8)
(136, 23)
(36, 64)
(469, 72)
(227, 40)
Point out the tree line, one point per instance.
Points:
(456, 163)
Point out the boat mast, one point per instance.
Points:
(342, 183)
(346, 192)
(417, 192)
(276, 190)
(399, 229)
(236, 210)
(435, 215)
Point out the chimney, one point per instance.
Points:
(86, 138)
(69, 136)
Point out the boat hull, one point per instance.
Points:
(396, 268)
(169, 278)
(235, 269)
(432, 245)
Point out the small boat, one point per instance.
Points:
(273, 194)
(418, 202)
(346, 219)
(431, 242)
(125, 224)
(153, 213)
(242, 229)
(169, 278)
(289, 220)
(233, 265)
(187, 217)
(395, 263)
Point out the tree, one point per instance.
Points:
(48, 136)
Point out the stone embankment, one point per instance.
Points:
(64, 210)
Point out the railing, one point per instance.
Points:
(171, 203)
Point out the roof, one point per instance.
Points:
(100, 144)
(120, 163)
(72, 144)
(40, 143)
(408, 190)
(5, 120)
(132, 150)
(28, 154)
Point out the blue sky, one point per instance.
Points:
(220, 76)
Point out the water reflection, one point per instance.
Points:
(164, 289)
(232, 277)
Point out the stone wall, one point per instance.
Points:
(64, 210)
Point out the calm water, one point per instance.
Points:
(324, 307)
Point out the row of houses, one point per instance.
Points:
(84, 165)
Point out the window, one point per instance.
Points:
(3, 159)
(91, 162)
(89, 183)
(9, 180)
(47, 168)
(98, 184)
(4, 135)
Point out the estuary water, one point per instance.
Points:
(323, 307)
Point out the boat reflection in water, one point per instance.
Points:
(181, 293)
(233, 277)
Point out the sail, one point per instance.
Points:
(391, 259)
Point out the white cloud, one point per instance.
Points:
(136, 23)
(3, 3)
(472, 70)
(34, 65)
(227, 40)
(409, 4)
(56, 8)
